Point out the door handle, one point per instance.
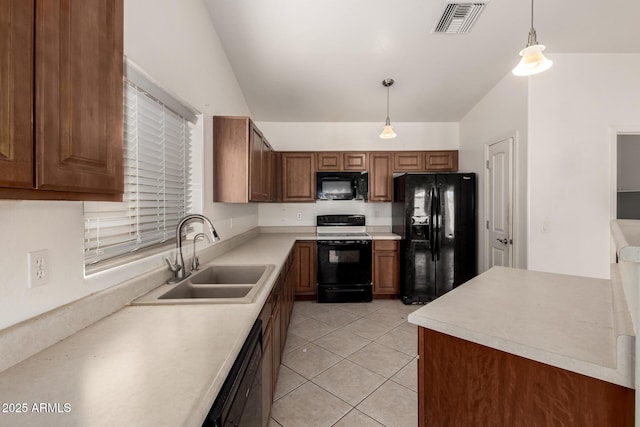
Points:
(503, 241)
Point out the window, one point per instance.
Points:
(157, 167)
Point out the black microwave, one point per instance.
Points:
(341, 185)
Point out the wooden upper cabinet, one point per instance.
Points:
(355, 161)
(408, 161)
(78, 102)
(380, 177)
(260, 168)
(329, 161)
(243, 162)
(16, 93)
(298, 176)
(441, 161)
(268, 171)
(339, 161)
(61, 108)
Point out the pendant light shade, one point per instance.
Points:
(387, 132)
(533, 60)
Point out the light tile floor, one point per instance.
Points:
(349, 365)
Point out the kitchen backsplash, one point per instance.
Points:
(304, 214)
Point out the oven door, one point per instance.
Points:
(344, 262)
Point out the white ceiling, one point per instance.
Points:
(324, 60)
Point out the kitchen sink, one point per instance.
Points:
(189, 290)
(229, 274)
(213, 284)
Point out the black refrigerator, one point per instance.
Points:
(436, 216)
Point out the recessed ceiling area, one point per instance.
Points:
(323, 61)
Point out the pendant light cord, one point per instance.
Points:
(388, 104)
(531, 13)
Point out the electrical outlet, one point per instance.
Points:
(299, 216)
(38, 264)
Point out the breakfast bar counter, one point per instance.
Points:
(520, 332)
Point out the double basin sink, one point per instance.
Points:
(228, 284)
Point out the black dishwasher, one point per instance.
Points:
(239, 402)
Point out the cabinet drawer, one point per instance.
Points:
(385, 245)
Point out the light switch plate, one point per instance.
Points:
(38, 268)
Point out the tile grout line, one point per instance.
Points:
(358, 316)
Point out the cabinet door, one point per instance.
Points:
(386, 267)
(407, 161)
(380, 177)
(329, 161)
(355, 162)
(268, 172)
(276, 318)
(16, 93)
(441, 160)
(267, 373)
(305, 268)
(78, 102)
(298, 177)
(256, 176)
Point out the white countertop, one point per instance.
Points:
(575, 323)
(383, 235)
(143, 365)
(626, 235)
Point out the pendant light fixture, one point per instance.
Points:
(533, 61)
(387, 132)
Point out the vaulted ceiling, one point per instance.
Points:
(324, 60)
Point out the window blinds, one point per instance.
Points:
(157, 190)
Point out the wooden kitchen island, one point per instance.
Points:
(523, 348)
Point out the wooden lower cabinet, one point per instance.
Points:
(275, 316)
(304, 268)
(267, 372)
(386, 267)
(276, 334)
(461, 383)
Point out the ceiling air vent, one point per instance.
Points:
(458, 17)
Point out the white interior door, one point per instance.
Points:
(499, 204)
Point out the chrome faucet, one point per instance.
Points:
(178, 269)
(195, 262)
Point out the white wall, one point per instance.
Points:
(573, 109)
(502, 113)
(344, 136)
(176, 44)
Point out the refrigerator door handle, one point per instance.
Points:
(438, 223)
(432, 225)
